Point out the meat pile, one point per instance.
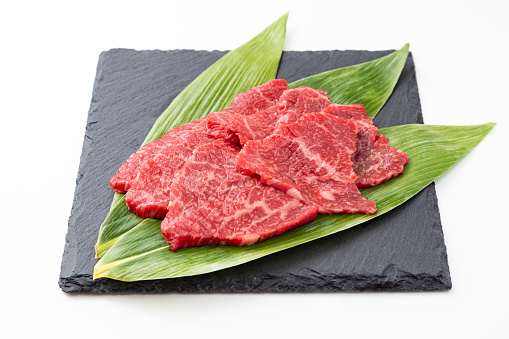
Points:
(268, 163)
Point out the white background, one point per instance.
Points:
(49, 52)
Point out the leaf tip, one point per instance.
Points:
(279, 22)
(404, 50)
(284, 17)
(489, 126)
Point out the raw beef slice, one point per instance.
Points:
(248, 103)
(213, 204)
(296, 102)
(258, 98)
(121, 182)
(310, 160)
(374, 161)
(239, 129)
(156, 164)
(289, 107)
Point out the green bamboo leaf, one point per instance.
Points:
(142, 253)
(370, 83)
(252, 64)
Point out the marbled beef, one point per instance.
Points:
(374, 161)
(296, 102)
(239, 128)
(148, 173)
(121, 182)
(310, 160)
(302, 155)
(261, 99)
(213, 204)
(151, 169)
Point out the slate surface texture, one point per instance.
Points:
(402, 250)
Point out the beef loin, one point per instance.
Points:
(310, 160)
(213, 204)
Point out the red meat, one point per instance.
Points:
(374, 161)
(310, 160)
(213, 204)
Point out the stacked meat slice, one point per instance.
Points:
(266, 164)
(213, 204)
(147, 175)
(310, 160)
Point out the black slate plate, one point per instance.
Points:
(402, 250)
